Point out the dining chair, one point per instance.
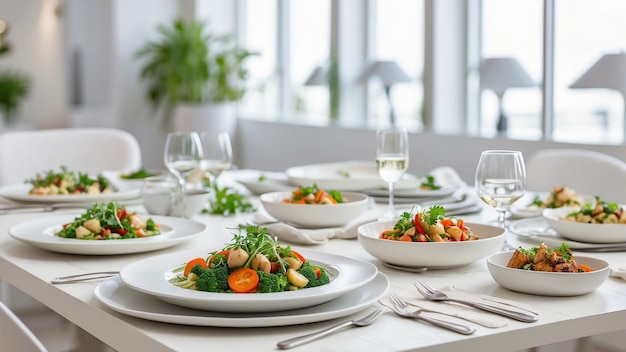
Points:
(587, 172)
(90, 150)
(23, 154)
(15, 335)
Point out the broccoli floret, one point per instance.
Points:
(213, 280)
(308, 271)
(198, 270)
(272, 282)
(324, 279)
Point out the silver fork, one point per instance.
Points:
(435, 295)
(83, 277)
(402, 308)
(301, 340)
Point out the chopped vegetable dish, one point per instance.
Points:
(67, 182)
(252, 263)
(429, 226)
(314, 195)
(109, 222)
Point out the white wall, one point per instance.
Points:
(36, 33)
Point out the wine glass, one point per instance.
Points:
(392, 160)
(181, 156)
(217, 154)
(500, 181)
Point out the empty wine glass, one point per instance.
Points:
(500, 181)
(182, 154)
(392, 160)
(217, 154)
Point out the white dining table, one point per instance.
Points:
(560, 318)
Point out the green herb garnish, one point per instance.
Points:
(428, 182)
(141, 173)
(227, 201)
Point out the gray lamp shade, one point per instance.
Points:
(501, 73)
(389, 73)
(608, 72)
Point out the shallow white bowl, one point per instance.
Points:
(547, 283)
(314, 215)
(581, 232)
(433, 255)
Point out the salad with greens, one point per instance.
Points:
(68, 182)
(108, 222)
(253, 263)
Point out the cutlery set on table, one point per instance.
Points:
(414, 309)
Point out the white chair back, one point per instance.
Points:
(14, 335)
(587, 172)
(91, 150)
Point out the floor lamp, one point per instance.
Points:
(609, 72)
(499, 74)
(389, 72)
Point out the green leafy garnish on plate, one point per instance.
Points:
(141, 173)
(227, 201)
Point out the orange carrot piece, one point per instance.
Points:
(192, 263)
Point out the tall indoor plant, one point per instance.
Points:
(14, 86)
(189, 70)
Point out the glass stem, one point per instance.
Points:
(392, 210)
(501, 217)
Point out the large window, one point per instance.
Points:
(585, 30)
(553, 42)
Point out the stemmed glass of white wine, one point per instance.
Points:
(181, 156)
(500, 181)
(217, 154)
(392, 161)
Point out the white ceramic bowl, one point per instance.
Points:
(314, 215)
(548, 283)
(433, 255)
(581, 232)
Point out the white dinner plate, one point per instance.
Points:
(19, 193)
(125, 184)
(346, 176)
(259, 182)
(119, 297)
(151, 276)
(40, 233)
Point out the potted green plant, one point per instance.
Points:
(190, 70)
(14, 86)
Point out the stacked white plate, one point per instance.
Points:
(142, 290)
